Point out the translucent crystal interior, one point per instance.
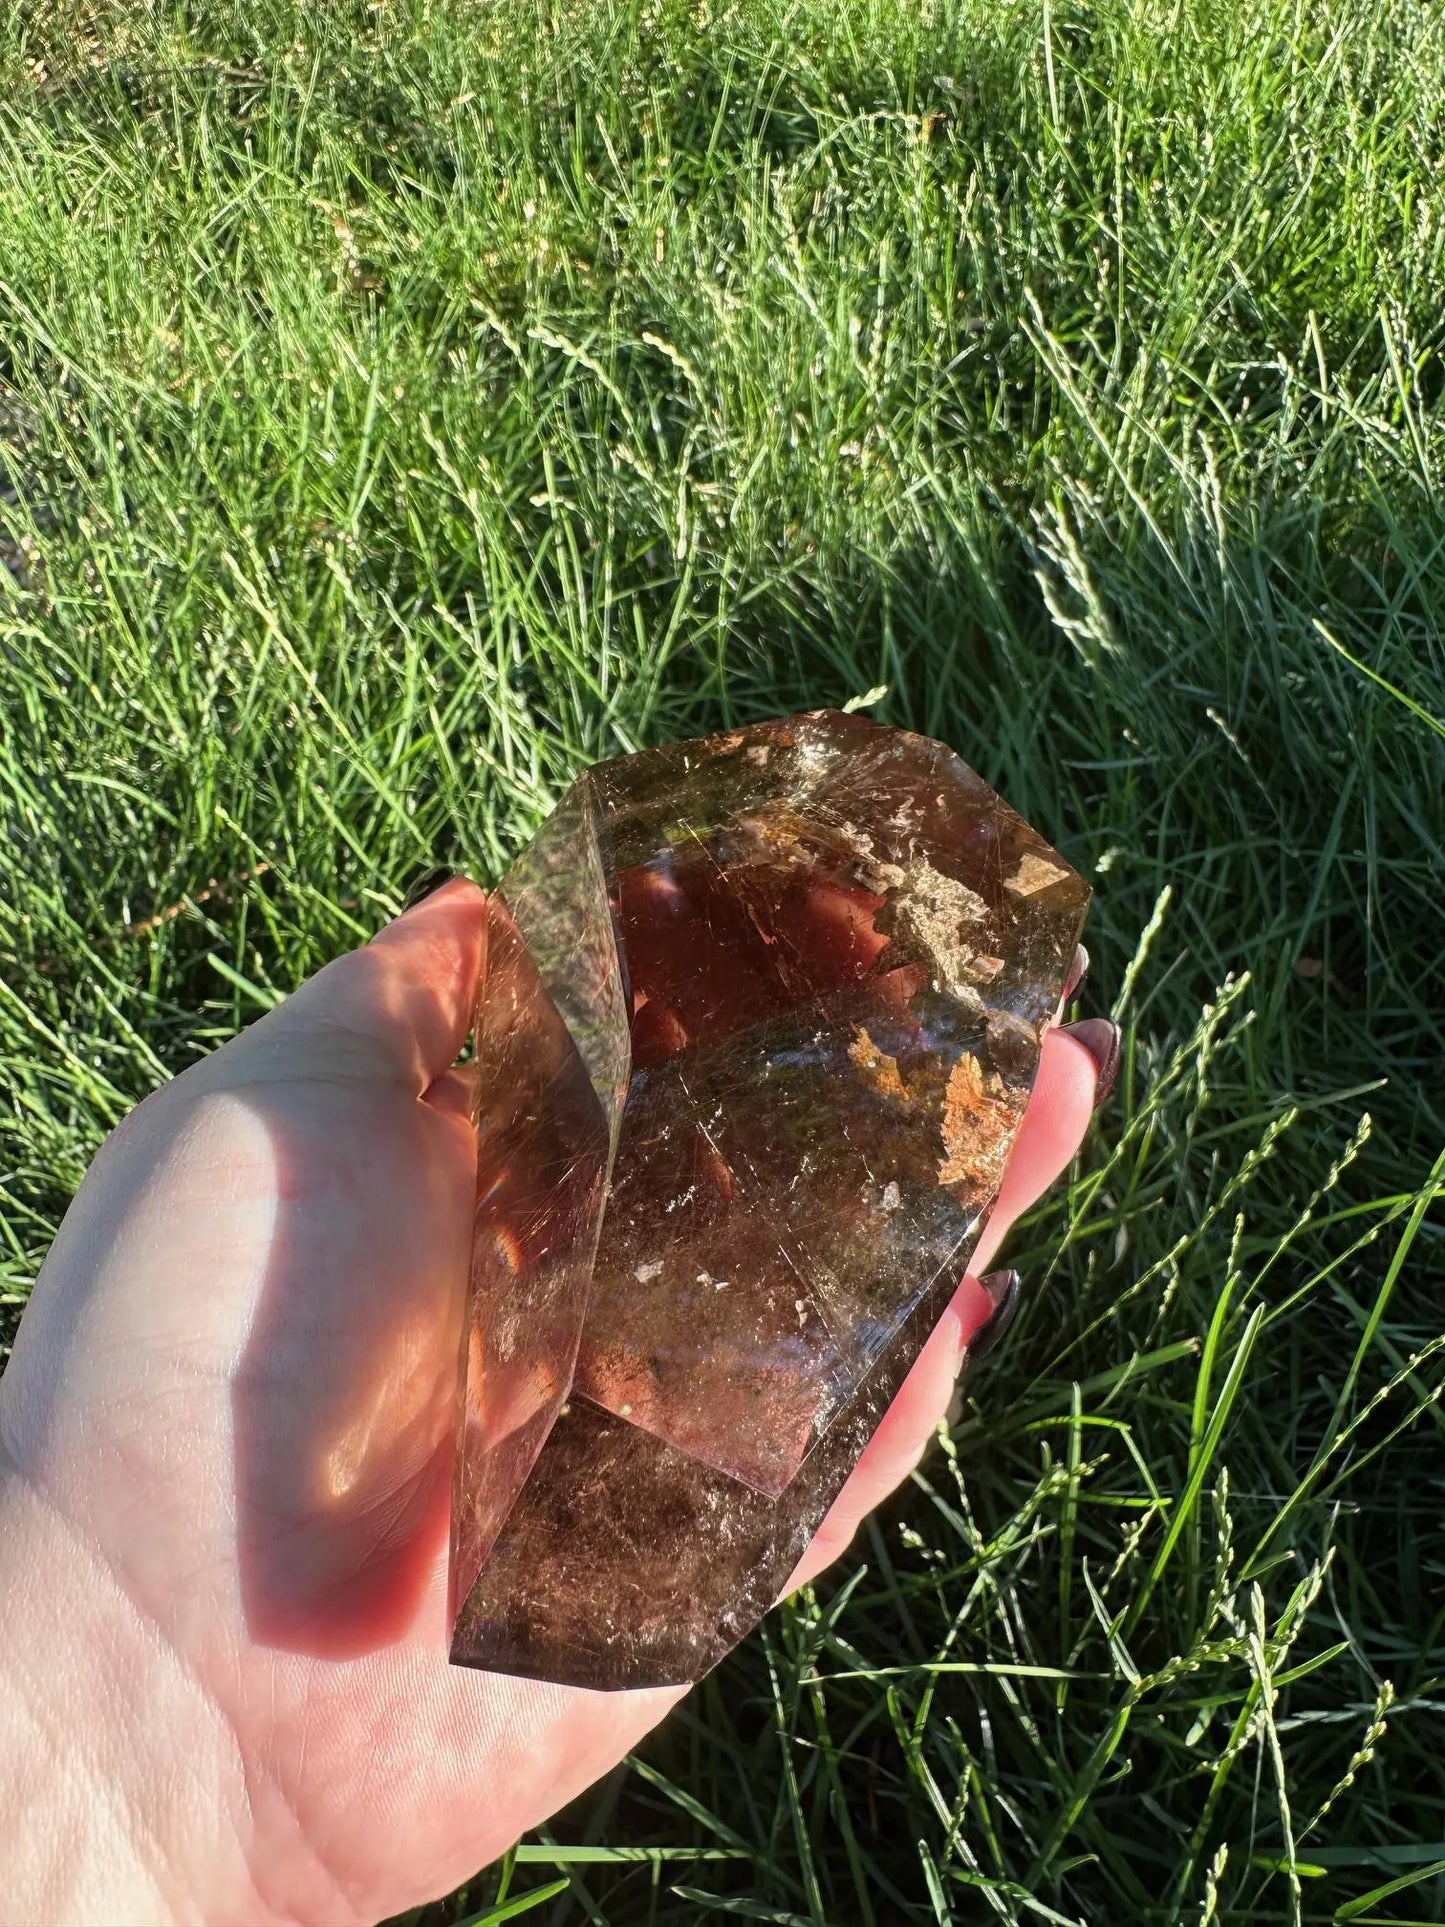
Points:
(761, 1017)
(556, 893)
(627, 1562)
(543, 1146)
(776, 1207)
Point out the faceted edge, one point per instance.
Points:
(611, 1098)
(762, 1539)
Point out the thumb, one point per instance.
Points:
(399, 1007)
(177, 1184)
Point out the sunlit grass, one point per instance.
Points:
(402, 405)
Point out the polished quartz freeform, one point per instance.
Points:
(760, 1016)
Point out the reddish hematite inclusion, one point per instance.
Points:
(760, 1016)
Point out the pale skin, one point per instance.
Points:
(225, 1441)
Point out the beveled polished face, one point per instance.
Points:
(760, 1017)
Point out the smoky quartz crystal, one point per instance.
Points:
(759, 1019)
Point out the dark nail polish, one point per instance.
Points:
(1078, 970)
(425, 884)
(1003, 1288)
(1100, 1037)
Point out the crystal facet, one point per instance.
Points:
(760, 1018)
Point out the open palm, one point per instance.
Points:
(226, 1438)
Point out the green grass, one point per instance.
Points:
(401, 405)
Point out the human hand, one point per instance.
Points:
(225, 1441)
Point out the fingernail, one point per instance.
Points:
(1003, 1289)
(1078, 970)
(1101, 1039)
(426, 883)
